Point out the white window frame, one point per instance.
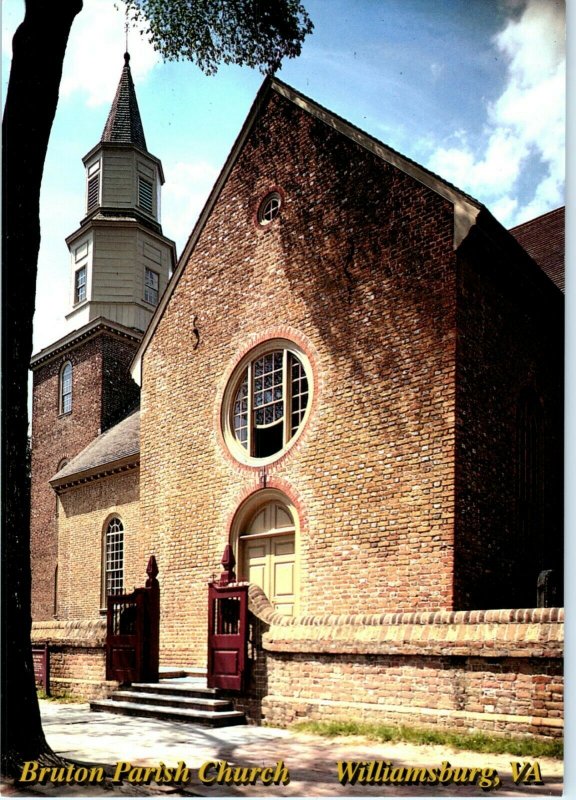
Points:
(80, 288)
(151, 290)
(113, 557)
(243, 449)
(65, 388)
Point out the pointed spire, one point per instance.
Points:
(124, 124)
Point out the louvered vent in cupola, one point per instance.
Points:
(145, 194)
(93, 191)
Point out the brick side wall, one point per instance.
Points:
(102, 388)
(120, 394)
(56, 437)
(510, 342)
(84, 513)
(495, 671)
(360, 269)
(77, 657)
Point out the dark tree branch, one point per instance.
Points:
(39, 46)
(207, 32)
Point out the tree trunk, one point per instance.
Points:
(38, 54)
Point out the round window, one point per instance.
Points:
(269, 208)
(266, 402)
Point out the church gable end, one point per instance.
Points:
(356, 271)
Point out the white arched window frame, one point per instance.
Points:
(65, 388)
(113, 558)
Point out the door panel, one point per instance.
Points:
(227, 636)
(270, 563)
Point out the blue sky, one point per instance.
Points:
(472, 89)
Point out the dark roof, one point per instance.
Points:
(543, 240)
(119, 444)
(124, 125)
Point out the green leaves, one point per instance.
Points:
(254, 33)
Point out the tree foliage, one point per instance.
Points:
(254, 33)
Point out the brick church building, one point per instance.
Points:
(353, 376)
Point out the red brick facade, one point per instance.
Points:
(425, 475)
(509, 487)
(102, 393)
(397, 470)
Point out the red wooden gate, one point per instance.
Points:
(227, 628)
(133, 632)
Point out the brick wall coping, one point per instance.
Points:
(261, 607)
(76, 632)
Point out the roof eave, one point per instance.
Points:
(96, 472)
(86, 331)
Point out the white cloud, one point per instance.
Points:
(535, 43)
(526, 122)
(94, 53)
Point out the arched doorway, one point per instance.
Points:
(266, 535)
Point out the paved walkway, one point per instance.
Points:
(78, 734)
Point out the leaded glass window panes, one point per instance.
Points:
(270, 403)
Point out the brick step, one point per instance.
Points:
(152, 698)
(208, 719)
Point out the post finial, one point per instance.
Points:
(228, 562)
(152, 571)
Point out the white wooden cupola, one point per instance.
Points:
(120, 260)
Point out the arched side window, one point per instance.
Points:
(66, 388)
(265, 537)
(113, 558)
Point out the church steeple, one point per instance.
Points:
(120, 260)
(124, 124)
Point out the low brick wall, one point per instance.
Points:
(77, 657)
(497, 671)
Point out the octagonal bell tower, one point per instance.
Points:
(120, 260)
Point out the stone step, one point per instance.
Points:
(153, 698)
(181, 688)
(179, 697)
(182, 672)
(210, 719)
(199, 672)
